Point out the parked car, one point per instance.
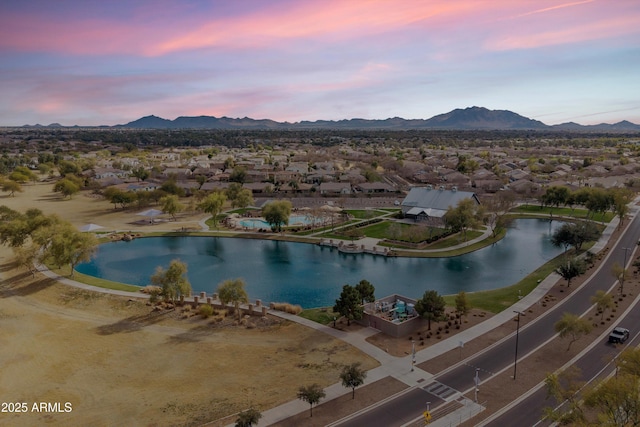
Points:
(618, 335)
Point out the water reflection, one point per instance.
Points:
(313, 276)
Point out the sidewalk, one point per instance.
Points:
(400, 367)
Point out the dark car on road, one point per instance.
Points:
(618, 335)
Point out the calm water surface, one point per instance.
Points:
(313, 276)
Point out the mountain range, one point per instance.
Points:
(472, 118)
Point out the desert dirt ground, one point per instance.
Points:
(119, 363)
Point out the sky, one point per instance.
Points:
(96, 62)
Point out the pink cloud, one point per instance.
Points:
(329, 20)
(566, 23)
(167, 29)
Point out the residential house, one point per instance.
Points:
(178, 172)
(374, 187)
(333, 188)
(102, 173)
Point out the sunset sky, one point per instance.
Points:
(97, 62)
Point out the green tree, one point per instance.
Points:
(112, 194)
(599, 200)
(312, 395)
(11, 187)
(81, 247)
(497, 209)
(239, 197)
(621, 198)
(119, 197)
(173, 281)
(27, 256)
(141, 173)
(575, 235)
(244, 199)
(233, 190)
(617, 401)
(563, 387)
(228, 164)
(16, 228)
(212, 204)
(22, 174)
(353, 376)
(232, 291)
(462, 304)
(170, 186)
(571, 269)
(603, 302)
(366, 291)
(201, 179)
(62, 244)
(171, 205)
(620, 273)
(66, 167)
(555, 196)
(431, 306)
(349, 304)
(238, 174)
(467, 214)
(248, 418)
(66, 187)
(585, 232)
(277, 214)
(573, 327)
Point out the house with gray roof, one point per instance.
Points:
(430, 204)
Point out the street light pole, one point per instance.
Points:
(624, 269)
(413, 354)
(477, 381)
(515, 363)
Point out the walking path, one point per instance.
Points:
(400, 368)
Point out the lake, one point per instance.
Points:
(313, 276)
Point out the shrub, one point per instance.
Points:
(153, 292)
(286, 307)
(206, 311)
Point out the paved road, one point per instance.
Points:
(594, 364)
(501, 355)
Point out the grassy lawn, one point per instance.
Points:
(454, 252)
(454, 240)
(364, 213)
(322, 315)
(575, 213)
(210, 224)
(241, 211)
(497, 300)
(95, 281)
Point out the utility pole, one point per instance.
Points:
(515, 363)
(624, 269)
(413, 354)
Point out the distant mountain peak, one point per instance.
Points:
(469, 118)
